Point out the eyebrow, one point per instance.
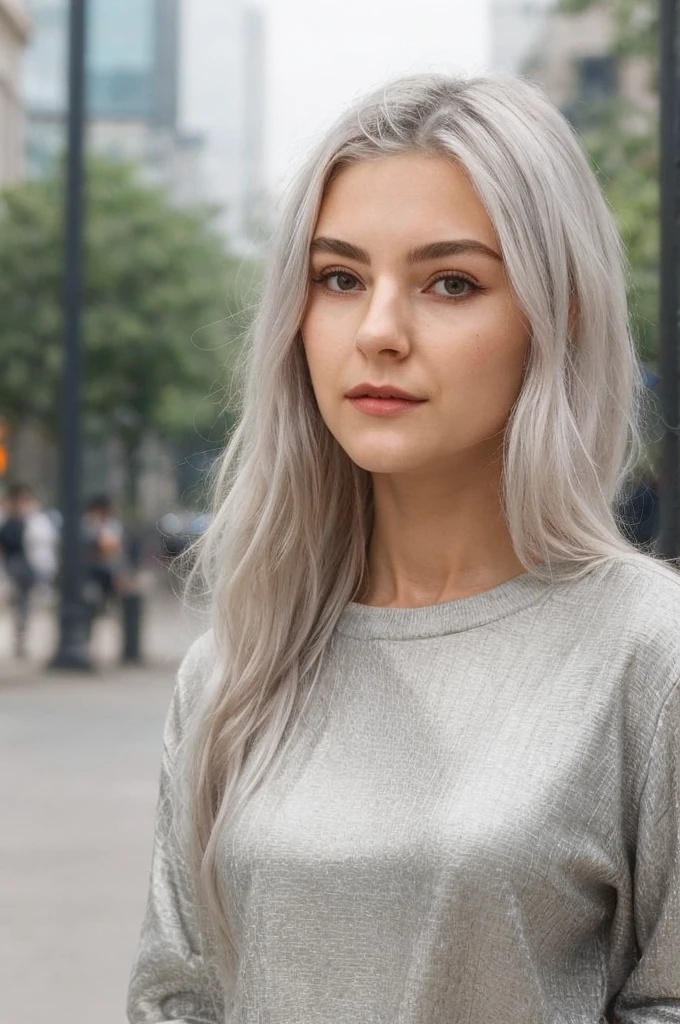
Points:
(432, 251)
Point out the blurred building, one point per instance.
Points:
(516, 26)
(132, 82)
(176, 86)
(253, 201)
(44, 85)
(222, 101)
(575, 61)
(14, 35)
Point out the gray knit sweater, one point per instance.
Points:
(478, 823)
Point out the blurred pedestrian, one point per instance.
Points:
(425, 765)
(29, 545)
(104, 553)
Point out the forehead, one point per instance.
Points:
(417, 194)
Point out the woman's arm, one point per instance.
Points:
(171, 978)
(651, 994)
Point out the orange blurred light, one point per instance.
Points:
(4, 449)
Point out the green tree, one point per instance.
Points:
(627, 166)
(622, 141)
(162, 317)
(636, 23)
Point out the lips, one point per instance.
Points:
(372, 405)
(382, 391)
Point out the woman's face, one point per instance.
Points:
(408, 290)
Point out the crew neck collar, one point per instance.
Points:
(368, 622)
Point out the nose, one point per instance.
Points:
(385, 326)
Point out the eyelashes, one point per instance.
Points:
(331, 273)
(325, 276)
(459, 279)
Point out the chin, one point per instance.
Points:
(378, 460)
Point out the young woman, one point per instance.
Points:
(424, 769)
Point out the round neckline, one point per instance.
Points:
(371, 622)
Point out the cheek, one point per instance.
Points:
(322, 342)
(501, 343)
(486, 367)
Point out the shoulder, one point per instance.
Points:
(625, 587)
(196, 668)
(633, 605)
(191, 687)
(643, 596)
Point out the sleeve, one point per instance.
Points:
(171, 978)
(651, 993)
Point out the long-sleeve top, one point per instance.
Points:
(477, 822)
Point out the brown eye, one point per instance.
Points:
(343, 282)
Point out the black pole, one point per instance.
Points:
(669, 319)
(73, 637)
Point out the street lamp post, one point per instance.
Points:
(72, 652)
(669, 540)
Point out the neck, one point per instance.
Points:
(437, 539)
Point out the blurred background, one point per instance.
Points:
(197, 113)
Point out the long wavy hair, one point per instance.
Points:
(287, 548)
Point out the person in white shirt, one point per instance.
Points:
(29, 542)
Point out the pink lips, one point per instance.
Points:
(382, 399)
(384, 406)
(366, 390)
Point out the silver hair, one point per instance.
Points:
(292, 514)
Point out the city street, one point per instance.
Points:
(79, 760)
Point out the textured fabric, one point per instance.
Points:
(478, 822)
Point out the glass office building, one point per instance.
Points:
(45, 71)
(121, 59)
(132, 59)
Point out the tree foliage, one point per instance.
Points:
(623, 144)
(161, 316)
(636, 24)
(627, 166)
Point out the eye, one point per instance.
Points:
(453, 286)
(337, 281)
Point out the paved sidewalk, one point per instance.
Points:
(167, 630)
(79, 760)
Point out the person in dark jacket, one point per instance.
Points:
(27, 541)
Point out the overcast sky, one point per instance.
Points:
(322, 53)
